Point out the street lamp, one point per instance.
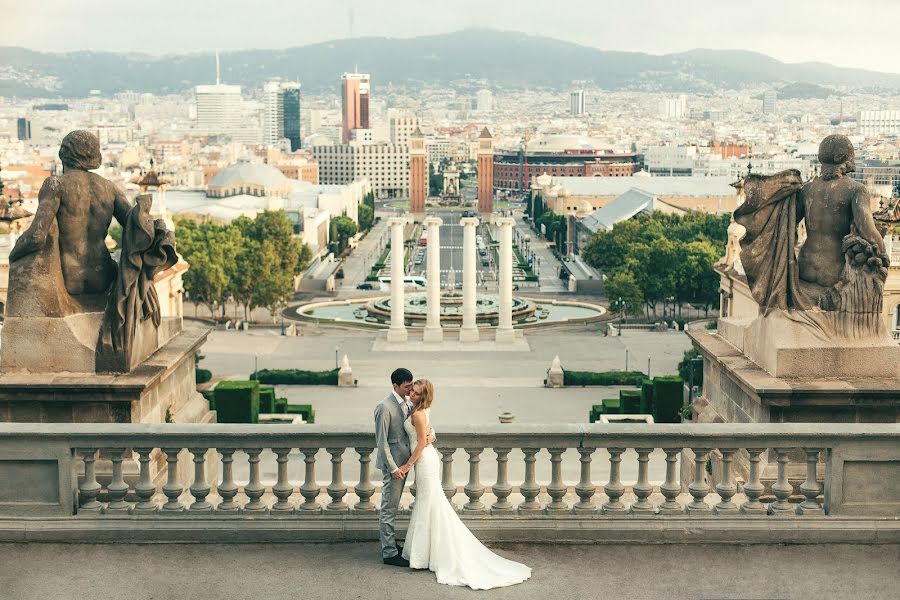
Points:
(336, 349)
(256, 365)
(691, 364)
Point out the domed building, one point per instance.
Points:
(249, 179)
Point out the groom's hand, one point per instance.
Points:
(431, 437)
(398, 474)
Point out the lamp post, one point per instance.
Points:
(256, 365)
(336, 349)
(691, 364)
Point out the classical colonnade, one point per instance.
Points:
(468, 332)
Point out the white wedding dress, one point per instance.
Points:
(438, 540)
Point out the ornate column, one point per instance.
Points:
(433, 331)
(505, 333)
(469, 331)
(397, 332)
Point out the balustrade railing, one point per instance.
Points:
(183, 470)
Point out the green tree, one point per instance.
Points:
(366, 216)
(211, 251)
(684, 367)
(342, 229)
(435, 181)
(622, 285)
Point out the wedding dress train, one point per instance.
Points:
(438, 540)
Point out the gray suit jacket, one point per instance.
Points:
(391, 441)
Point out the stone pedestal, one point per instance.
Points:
(469, 330)
(555, 374)
(433, 332)
(397, 332)
(345, 373)
(505, 332)
(737, 389)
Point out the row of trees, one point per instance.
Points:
(252, 261)
(660, 257)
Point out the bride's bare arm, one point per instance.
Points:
(420, 421)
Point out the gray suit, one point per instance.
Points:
(392, 446)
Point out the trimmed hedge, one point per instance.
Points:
(668, 396)
(647, 397)
(296, 377)
(237, 402)
(266, 399)
(308, 412)
(584, 378)
(202, 375)
(630, 401)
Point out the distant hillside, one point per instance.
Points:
(501, 59)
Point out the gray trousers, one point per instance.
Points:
(391, 491)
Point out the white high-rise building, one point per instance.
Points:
(576, 103)
(402, 128)
(770, 102)
(875, 123)
(673, 108)
(484, 101)
(218, 108)
(273, 113)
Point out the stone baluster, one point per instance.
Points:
(90, 487)
(145, 488)
(614, 488)
(726, 488)
(173, 488)
(557, 489)
(810, 488)
(228, 489)
(117, 488)
(310, 488)
(254, 488)
(447, 483)
(671, 488)
(530, 488)
(474, 490)
(283, 487)
(200, 488)
(364, 489)
(337, 489)
(782, 488)
(642, 488)
(585, 488)
(753, 489)
(502, 489)
(699, 488)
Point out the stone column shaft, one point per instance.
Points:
(505, 331)
(469, 331)
(433, 331)
(397, 332)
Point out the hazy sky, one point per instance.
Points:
(858, 33)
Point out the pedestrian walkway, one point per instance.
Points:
(546, 264)
(357, 265)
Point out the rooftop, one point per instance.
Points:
(659, 186)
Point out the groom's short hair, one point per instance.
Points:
(401, 376)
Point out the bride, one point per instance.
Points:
(436, 538)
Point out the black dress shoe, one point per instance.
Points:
(399, 549)
(396, 561)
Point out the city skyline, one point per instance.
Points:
(803, 32)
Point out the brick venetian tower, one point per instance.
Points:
(485, 172)
(418, 173)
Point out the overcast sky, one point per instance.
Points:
(858, 33)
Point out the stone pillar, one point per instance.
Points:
(397, 332)
(469, 331)
(505, 332)
(555, 374)
(345, 374)
(433, 331)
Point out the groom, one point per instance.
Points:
(392, 445)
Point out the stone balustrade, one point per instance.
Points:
(188, 471)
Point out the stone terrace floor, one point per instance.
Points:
(349, 571)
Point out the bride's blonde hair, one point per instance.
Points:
(427, 393)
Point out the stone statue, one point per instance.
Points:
(63, 281)
(835, 282)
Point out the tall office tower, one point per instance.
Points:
(485, 172)
(673, 108)
(23, 129)
(218, 108)
(354, 103)
(576, 103)
(484, 101)
(291, 95)
(281, 115)
(418, 173)
(769, 102)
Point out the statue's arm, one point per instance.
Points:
(36, 235)
(865, 224)
(121, 206)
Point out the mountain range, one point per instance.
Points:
(470, 58)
